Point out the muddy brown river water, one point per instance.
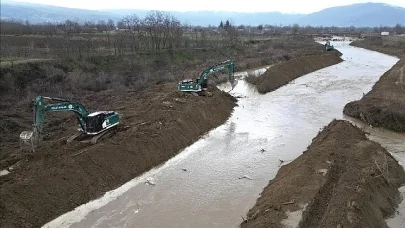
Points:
(215, 181)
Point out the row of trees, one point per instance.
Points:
(154, 32)
(164, 20)
(163, 30)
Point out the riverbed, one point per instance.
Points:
(215, 181)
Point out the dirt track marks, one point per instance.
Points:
(401, 78)
(316, 210)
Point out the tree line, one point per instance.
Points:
(155, 32)
(132, 34)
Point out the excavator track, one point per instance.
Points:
(73, 137)
(107, 133)
(93, 140)
(83, 138)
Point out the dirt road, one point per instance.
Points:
(216, 180)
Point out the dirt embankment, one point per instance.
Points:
(390, 45)
(341, 180)
(155, 126)
(285, 72)
(156, 123)
(384, 105)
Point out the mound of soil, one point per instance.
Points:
(392, 45)
(155, 126)
(384, 105)
(341, 180)
(285, 72)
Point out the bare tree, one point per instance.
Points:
(399, 29)
(110, 25)
(295, 28)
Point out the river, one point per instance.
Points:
(215, 181)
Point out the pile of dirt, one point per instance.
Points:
(391, 45)
(285, 72)
(341, 180)
(156, 125)
(384, 105)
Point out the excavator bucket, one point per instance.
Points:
(233, 84)
(27, 139)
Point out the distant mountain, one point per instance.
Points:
(37, 13)
(363, 14)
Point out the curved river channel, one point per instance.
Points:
(217, 180)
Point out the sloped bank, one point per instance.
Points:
(155, 126)
(341, 180)
(285, 72)
(384, 105)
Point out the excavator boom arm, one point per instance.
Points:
(40, 108)
(228, 64)
(199, 84)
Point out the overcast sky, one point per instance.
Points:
(285, 6)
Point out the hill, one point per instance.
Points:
(37, 13)
(358, 15)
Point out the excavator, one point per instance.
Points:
(93, 124)
(199, 85)
(328, 46)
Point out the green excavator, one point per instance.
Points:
(197, 86)
(90, 124)
(328, 46)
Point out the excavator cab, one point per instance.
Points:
(328, 46)
(99, 121)
(189, 85)
(94, 123)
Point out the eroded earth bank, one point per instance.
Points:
(216, 180)
(384, 105)
(157, 123)
(341, 180)
(59, 176)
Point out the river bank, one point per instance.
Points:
(216, 180)
(156, 125)
(283, 73)
(341, 180)
(384, 105)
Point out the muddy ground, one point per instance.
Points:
(157, 122)
(56, 179)
(341, 180)
(384, 105)
(282, 73)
